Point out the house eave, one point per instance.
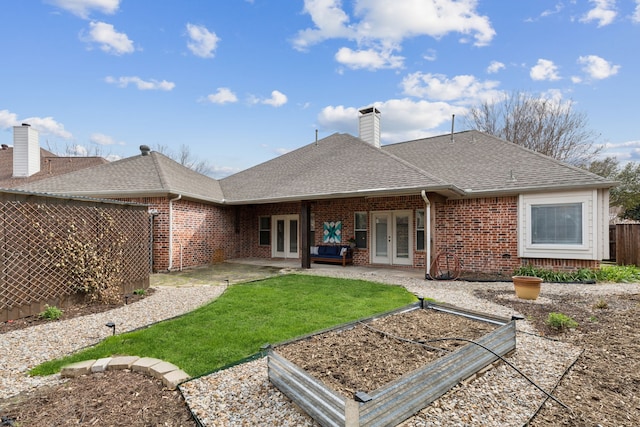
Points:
(534, 189)
(445, 190)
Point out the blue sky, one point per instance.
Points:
(242, 81)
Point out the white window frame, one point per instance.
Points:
(590, 223)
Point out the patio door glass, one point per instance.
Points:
(285, 236)
(392, 238)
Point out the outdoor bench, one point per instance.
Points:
(332, 254)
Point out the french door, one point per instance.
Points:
(285, 236)
(392, 238)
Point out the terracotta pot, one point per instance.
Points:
(527, 287)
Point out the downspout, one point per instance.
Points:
(171, 230)
(427, 237)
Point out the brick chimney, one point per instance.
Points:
(26, 151)
(369, 128)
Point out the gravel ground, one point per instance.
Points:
(243, 396)
(23, 349)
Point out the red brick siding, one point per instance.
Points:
(482, 233)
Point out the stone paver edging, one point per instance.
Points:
(168, 373)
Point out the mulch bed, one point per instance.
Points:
(74, 310)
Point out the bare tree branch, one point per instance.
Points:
(544, 125)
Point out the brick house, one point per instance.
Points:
(486, 202)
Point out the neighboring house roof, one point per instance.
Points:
(50, 165)
(152, 175)
(481, 163)
(342, 165)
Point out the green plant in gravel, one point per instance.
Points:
(51, 312)
(619, 273)
(560, 321)
(246, 317)
(601, 305)
(581, 275)
(139, 291)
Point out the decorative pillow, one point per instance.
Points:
(343, 251)
(314, 250)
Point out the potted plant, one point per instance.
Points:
(526, 283)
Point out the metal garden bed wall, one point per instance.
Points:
(400, 399)
(45, 241)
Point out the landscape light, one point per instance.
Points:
(112, 326)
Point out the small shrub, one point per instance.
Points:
(51, 313)
(560, 321)
(601, 304)
(139, 292)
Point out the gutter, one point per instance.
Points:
(171, 230)
(427, 236)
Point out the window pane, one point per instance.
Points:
(265, 238)
(361, 239)
(420, 229)
(265, 231)
(265, 223)
(361, 220)
(556, 224)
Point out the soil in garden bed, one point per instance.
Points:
(368, 356)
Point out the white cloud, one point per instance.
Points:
(330, 21)
(47, 125)
(102, 139)
(465, 89)
(636, 14)
(202, 42)
(223, 95)
(378, 27)
(368, 58)
(597, 68)
(83, 8)
(140, 84)
(278, 99)
(8, 119)
(603, 12)
(495, 66)
(108, 38)
(544, 70)
(402, 119)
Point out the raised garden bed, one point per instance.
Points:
(380, 371)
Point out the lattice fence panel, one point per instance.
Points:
(45, 243)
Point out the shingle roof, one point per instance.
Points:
(137, 176)
(477, 163)
(339, 165)
(50, 165)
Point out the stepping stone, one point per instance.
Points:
(162, 368)
(101, 365)
(173, 378)
(122, 362)
(77, 369)
(144, 364)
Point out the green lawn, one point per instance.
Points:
(246, 317)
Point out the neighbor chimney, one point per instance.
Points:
(144, 150)
(26, 151)
(370, 126)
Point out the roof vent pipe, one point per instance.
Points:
(144, 150)
(453, 119)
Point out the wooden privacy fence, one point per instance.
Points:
(52, 249)
(627, 244)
